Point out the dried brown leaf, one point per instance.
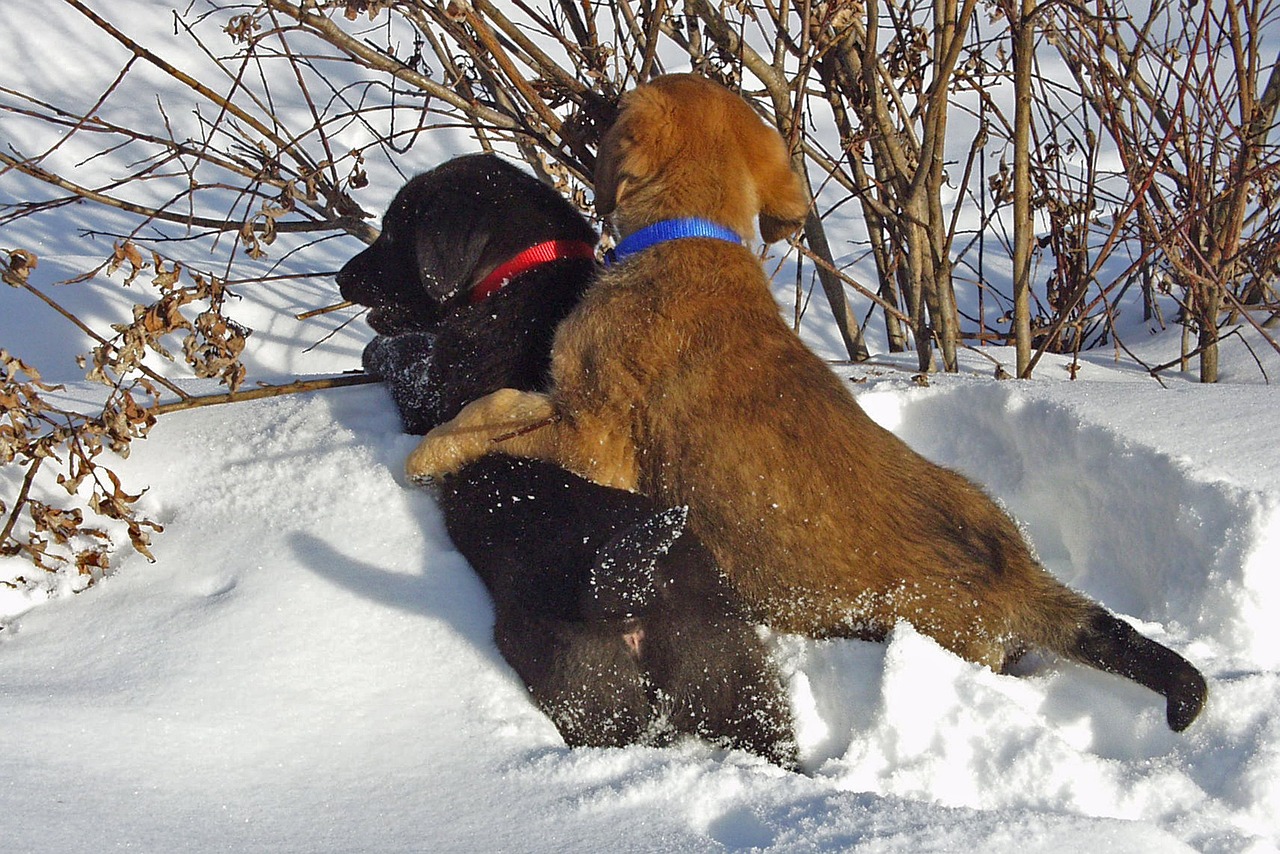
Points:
(21, 263)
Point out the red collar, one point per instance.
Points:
(534, 256)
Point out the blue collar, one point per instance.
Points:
(668, 229)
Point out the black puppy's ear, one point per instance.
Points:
(448, 259)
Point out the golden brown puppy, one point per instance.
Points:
(677, 375)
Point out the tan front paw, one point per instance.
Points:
(474, 432)
(437, 456)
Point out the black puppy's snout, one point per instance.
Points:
(355, 283)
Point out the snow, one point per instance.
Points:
(308, 664)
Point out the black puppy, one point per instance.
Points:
(618, 622)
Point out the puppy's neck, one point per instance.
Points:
(667, 230)
(530, 259)
(683, 194)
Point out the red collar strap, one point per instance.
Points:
(534, 256)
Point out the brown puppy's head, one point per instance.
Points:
(683, 146)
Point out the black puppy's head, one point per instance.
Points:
(445, 231)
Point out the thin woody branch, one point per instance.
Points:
(354, 226)
(264, 392)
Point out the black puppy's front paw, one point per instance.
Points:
(403, 364)
(389, 356)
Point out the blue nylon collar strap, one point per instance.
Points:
(668, 229)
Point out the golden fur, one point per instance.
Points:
(676, 375)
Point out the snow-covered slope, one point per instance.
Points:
(308, 664)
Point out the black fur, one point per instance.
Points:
(620, 625)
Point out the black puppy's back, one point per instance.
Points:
(699, 667)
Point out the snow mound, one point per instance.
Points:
(309, 666)
(1149, 534)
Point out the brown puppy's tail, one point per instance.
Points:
(1104, 641)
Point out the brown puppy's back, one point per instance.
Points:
(825, 522)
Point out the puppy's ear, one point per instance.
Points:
(447, 258)
(634, 148)
(609, 177)
(784, 204)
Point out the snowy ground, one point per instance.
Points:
(308, 664)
